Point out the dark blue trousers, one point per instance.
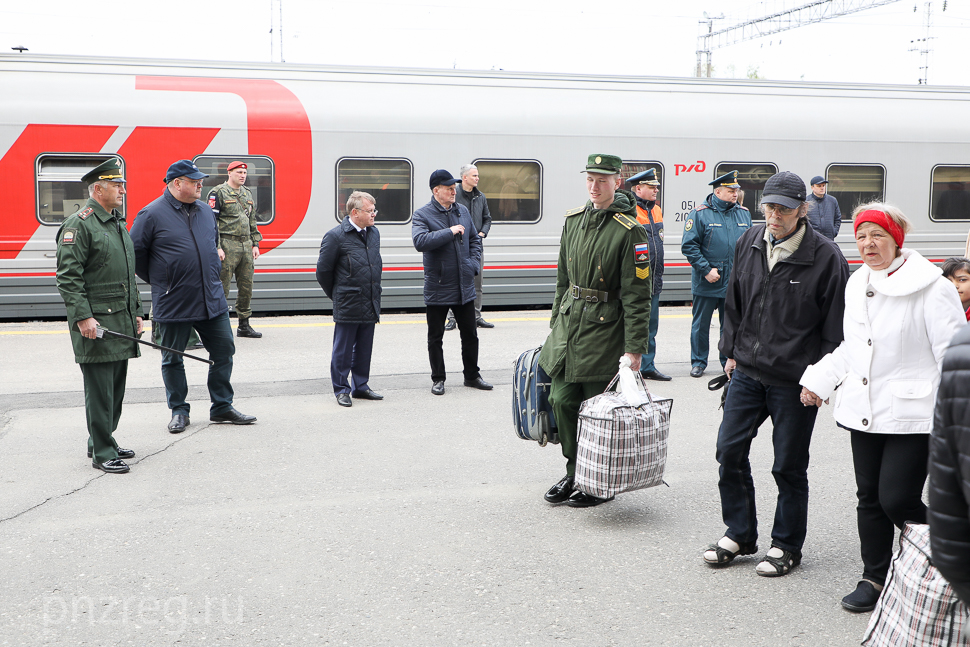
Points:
(216, 335)
(646, 362)
(749, 403)
(352, 348)
(700, 328)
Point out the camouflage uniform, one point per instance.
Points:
(236, 214)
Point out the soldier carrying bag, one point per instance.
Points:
(622, 440)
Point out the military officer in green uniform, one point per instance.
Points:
(239, 239)
(96, 279)
(601, 310)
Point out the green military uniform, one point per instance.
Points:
(96, 278)
(236, 214)
(601, 309)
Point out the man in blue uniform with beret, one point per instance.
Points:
(96, 279)
(646, 187)
(711, 232)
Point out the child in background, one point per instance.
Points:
(958, 271)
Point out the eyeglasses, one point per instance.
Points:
(777, 208)
(371, 212)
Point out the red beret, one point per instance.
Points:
(236, 164)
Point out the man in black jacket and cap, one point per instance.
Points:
(783, 311)
(349, 271)
(444, 232)
(176, 252)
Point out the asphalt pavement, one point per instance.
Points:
(417, 520)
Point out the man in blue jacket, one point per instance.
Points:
(349, 271)
(823, 209)
(444, 232)
(177, 252)
(710, 233)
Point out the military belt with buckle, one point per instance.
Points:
(591, 296)
(242, 239)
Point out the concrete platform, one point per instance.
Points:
(418, 520)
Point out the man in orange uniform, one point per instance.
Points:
(646, 187)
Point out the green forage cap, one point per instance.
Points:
(608, 164)
(109, 170)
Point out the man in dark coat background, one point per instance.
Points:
(444, 232)
(477, 205)
(349, 271)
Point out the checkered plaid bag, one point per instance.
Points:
(621, 448)
(918, 608)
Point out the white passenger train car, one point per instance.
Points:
(313, 134)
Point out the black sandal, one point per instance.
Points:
(725, 556)
(782, 565)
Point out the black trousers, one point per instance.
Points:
(890, 470)
(467, 327)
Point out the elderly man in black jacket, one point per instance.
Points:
(477, 205)
(949, 513)
(443, 230)
(349, 271)
(176, 252)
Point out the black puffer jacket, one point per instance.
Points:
(777, 323)
(350, 273)
(949, 514)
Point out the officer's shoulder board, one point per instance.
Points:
(744, 207)
(83, 215)
(576, 211)
(625, 220)
(701, 207)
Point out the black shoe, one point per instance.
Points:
(438, 388)
(234, 417)
(451, 324)
(178, 424)
(343, 399)
(863, 599)
(114, 466)
(245, 330)
(366, 394)
(583, 500)
(122, 453)
(481, 323)
(560, 491)
(479, 383)
(655, 375)
(696, 371)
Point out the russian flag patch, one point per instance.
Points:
(641, 253)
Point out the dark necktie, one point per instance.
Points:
(363, 235)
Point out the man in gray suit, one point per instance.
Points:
(474, 200)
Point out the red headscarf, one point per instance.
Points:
(884, 221)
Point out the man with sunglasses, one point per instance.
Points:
(783, 311)
(176, 252)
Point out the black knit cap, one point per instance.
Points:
(786, 189)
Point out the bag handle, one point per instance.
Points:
(639, 379)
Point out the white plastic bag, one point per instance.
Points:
(628, 385)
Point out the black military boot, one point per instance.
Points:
(245, 330)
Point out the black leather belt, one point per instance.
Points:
(591, 296)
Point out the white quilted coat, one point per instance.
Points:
(896, 332)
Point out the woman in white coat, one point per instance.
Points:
(900, 314)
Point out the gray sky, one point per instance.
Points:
(636, 37)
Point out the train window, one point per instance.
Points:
(59, 189)
(259, 179)
(388, 180)
(513, 189)
(950, 199)
(632, 168)
(854, 184)
(752, 178)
